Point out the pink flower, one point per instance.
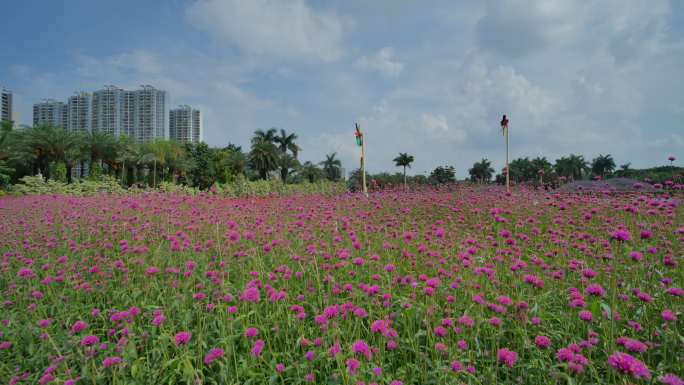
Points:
(25, 272)
(44, 323)
(440, 331)
(379, 326)
(585, 315)
(213, 354)
(89, 340)
(280, 368)
(353, 366)
(251, 294)
(669, 315)
(258, 348)
(251, 332)
(361, 347)
(182, 338)
(335, 349)
(627, 364)
(456, 366)
(542, 342)
(46, 378)
(507, 357)
(621, 235)
(596, 290)
(671, 379)
(632, 345)
(466, 321)
(78, 327)
(111, 361)
(158, 320)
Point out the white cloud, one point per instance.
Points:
(437, 127)
(289, 29)
(382, 62)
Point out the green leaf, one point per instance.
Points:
(606, 308)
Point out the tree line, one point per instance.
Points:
(64, 155)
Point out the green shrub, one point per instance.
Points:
(242, 187)
(59, 172)
(36, 185)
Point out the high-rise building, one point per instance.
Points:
(50, 112)
(185, 125)
(149, 114)
(80, 112)
(6, 106)
(139, 114)
(107, 110)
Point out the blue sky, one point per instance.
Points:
(426, 77)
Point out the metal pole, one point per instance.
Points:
(508, 171)
(363, 164)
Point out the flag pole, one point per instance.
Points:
(504, 129)
(363, 165)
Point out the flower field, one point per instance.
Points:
(471, 286)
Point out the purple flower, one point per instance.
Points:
(182, 338)
(542, 341)
(671, 379)
(44, 323)
(353, 365)
(111, 361)
(78, 327)
(585, 315)
(251, 332)
(89, 340)
(361, 347)
(507, 357)
(596, 290)
(251, 294)
(213, 355)
(621, 235)
(258, 348)
(669, 315)
(456, 366)
(627, 364)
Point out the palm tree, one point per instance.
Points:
(331, 167)
(130, 157)
(5, 129)
(264, 136)
(229, 162)
(543, 167)
(602, 165)
(286, 142)
(5, 169)
(47, 144)
(481, 171)
(571, 167)
(310, 171)
(403, 160)
(263, 157)
(102, 148)
(579, 166)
